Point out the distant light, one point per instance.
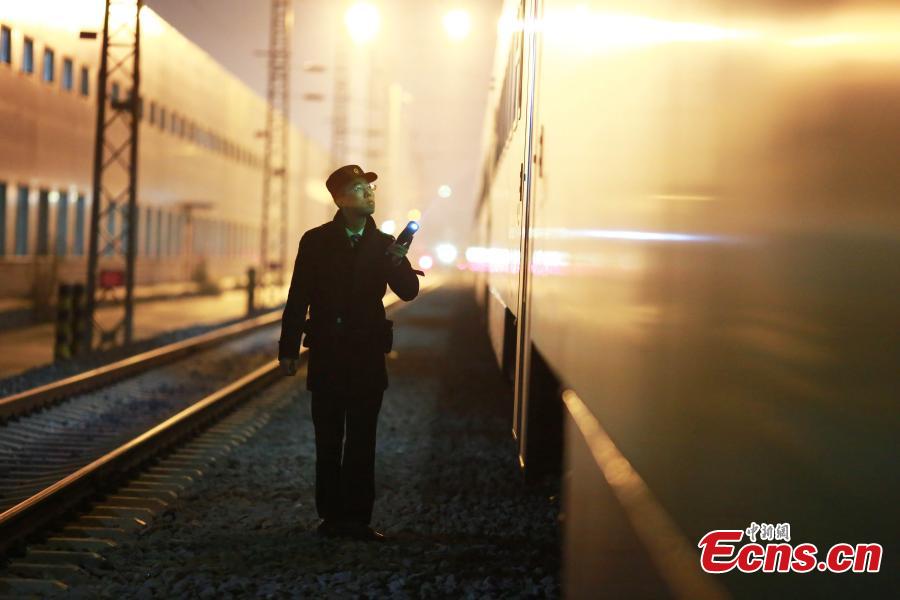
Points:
(444, 191)
(414, 215)
(446, 253)
(425, 262)
(362, 22)
(389, 227)
(457, 24)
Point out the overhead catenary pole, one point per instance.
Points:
(277, 142)
(339, 100)
(111, 251)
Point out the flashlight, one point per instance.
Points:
(406, 236)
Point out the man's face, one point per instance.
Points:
(358, 196)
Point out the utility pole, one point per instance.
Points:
(112, 248)
(277, 140)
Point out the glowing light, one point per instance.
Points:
(389, 227)
(492, 259)
(151, 23)
(316, 190)
(362, 21)
(446, 253)
(425, 262)
(626, 235)
(835, 39)
(457, 24)
(414, 215)
(444, 191)
(595, 31)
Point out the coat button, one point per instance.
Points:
(338, 319)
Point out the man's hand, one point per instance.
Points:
(288, 366)
(397, 252)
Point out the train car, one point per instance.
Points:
(688, 253)
(200, 165)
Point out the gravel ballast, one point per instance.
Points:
(449, 495)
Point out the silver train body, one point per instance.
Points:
(200, 165)
(688, 253)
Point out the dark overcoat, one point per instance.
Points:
(347, 333)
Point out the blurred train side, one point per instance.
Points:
(709, 216)
(199, 152)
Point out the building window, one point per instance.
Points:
(68, 75)
(85, 81)
(162, 118)
(62, 223)
(28, 56)
(152, 112)
(49, 66)
(78, 241)
(5, 44)
(42, 246)
(2, 218)
(114, 91)
(22, 221)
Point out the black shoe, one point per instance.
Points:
(328, 529)
(365, 533)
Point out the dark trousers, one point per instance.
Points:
(345, 454)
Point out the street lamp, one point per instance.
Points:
(362, 21)
(457, 24)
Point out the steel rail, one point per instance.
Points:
(21, 403)
(39, 511)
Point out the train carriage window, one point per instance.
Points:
(62, 223)
(2, 218)
(28, 55)
(170, 233)
(109, 246)
(68, 75)
(5, 45)
(509, 105)
(158, 241)
(78, 240)
(49, 72)
(22, 221)
(160, 249)
(148, 231)
(42, 246)
(179, 234)
(132, 227)
(85, 82)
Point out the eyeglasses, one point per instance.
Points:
(362, 187)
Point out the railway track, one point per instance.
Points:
(123, 488)
(117, 402)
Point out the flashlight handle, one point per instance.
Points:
(406, 236)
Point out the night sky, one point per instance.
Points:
(449, 81)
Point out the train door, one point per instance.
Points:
(523, 334)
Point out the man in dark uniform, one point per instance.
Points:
(340, 274)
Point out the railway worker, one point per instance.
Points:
(340, 274)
